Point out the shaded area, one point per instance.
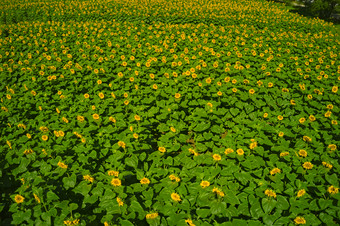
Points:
(308, 11)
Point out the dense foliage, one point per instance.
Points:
(191, 112)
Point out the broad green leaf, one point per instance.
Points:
(202, 126)
(268, 204)
(203, 213)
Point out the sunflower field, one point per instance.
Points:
(157, 112)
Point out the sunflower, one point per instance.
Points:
(240, 151)
(301, 193)
(95, 116)
(307, 165)
(300, 220)
(137, 117)
(113, 173)
(205, 184)
(217, 157)
(62, 165)
(145, 181)
(176, 197)
(275, 171)
(162, 149)
(151, 216)
(228, 151)
(270, 193)
(303, 153)
(19, 199)
(333, 190)
(120, 202)
(116, 182)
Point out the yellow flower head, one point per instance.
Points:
(121, 144)
(145, 181)
(275, 171)
(36, 198)
(175, 197)
(95, 116)
(240, 151)
(301, 193)
(270, 193)
(228, 151)
(303, 153)
(175, 178)
(137, 117)
(307, 139)
(216, 157)
(205, 184)
(307, 165)
(113, 173)
(119, 201)
(300, 220)
(333, 147)
(151, 216)
(162, 149)
(88, 178)
(327, 165)
(19, 199)
(62, 165)
(333, 190)
(116, 182)
(218, 192)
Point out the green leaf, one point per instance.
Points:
(216, 129)
(126, 223)
(69, 182)
(282, 203)
(239, 222)
(203, 213)
(202, 126)
(21, 216)
(283, 221)
(268, 205)
(332, 179)
(234, 111)
(218, 207)
(51, 196)
(132, 161)
(327, 219)
(231, 198)
(136, 207)
(256, 209)
(90, 199)
(324, 203)
(83, 188)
